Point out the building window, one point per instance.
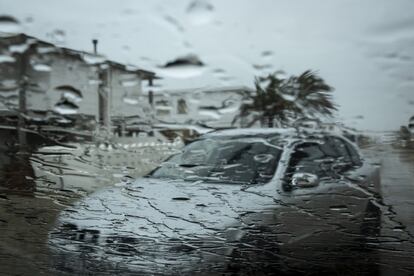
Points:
(162, 108)
(181, 106)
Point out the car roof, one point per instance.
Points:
(250, 131)
(284, 133)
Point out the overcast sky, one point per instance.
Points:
(364, 49)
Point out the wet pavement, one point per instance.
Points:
(36, 188)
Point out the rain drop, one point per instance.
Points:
(263, 158)
(171, 20)
(7, 59)
(209, 113)
(9, 25)
(93, 59)
(261, 67)
(58, 36)
(41, 67)
(200, 12)
(66, 107)
(183, 67)
(129, 83)
(70, 93)
(267, 54)
(94, 81)
(19, 48)
(131, 100)
(411, 124)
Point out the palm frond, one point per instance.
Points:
(286, 99)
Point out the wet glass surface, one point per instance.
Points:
(206, 138)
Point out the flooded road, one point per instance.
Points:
(37, 187)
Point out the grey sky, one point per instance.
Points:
(365, 49)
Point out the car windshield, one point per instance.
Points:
(246, 161)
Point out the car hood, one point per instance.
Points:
(156, 208)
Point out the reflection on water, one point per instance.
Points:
(37, 185)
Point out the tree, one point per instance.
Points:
(284, 100)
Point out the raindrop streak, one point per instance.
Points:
(129, 83)
(93, 59)
(183, 67)
(20, 48)
(6, 59)
(263, 158)
(171, 20)
(267, 54)
(70, 93)
(93, 81)
(66, 107)
(288, 97)
(58, 36)
(210, 113)
(41, 67)
(411, 124)
(200, 12)
(219, 71)
(262, 66)
(131, 100)
(9, 25)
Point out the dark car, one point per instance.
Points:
(264, 197)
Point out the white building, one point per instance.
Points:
(49, 83)
(213, 107)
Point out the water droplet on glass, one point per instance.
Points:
(214, 114)
(29, 19)
(263, 158)
(183, 67)
(174, 22)
(219, 71)
(93, 59)
(200, 12)
(9, 84)
(129, 83)
(58, 36)
(338, 207)
(266, 54)
(131, 100)
(411, 124)
(70, 93)
(19, 48)
(41, 67)
(93, 81)
(262, 66)
(7, 59)
(151, 87)
(281, 75)
(66, 107)
(63, 121)
(229, 109)
(46, 49)
(9, 25)
(226, 79)
(38, 87)
(289, 97)
(131, 67)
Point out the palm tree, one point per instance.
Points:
(287, 99)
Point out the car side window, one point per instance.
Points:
(347, 151)
(311, 157)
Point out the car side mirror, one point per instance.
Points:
(305, 180)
